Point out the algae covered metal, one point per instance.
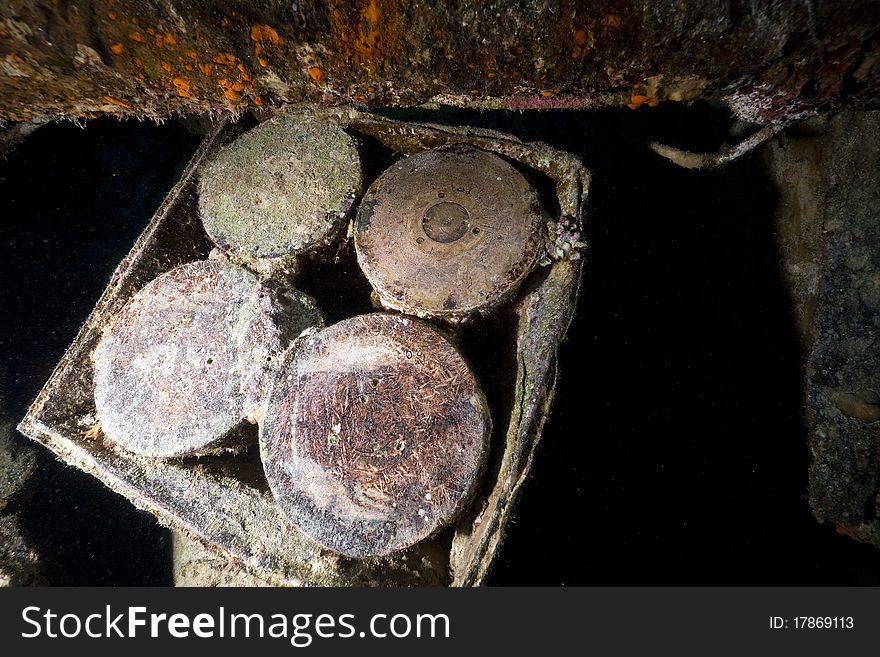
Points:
(280, 189)
(223, 500)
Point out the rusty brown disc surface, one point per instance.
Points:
(173, 376)
(281, 188)
(443, 233)
(375, 434)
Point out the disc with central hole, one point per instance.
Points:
(443, 233)
(281, 188)
(375, 433)
(185, 359)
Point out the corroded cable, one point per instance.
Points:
(727, 154)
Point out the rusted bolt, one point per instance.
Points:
(189, 356)
(281, 188)
(446, 232)
(375, 433)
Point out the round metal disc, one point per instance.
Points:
(271, 320)
(375, 433)
(445, 232)
(173, 376)
(281, 188)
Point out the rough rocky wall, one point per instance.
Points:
(19, 563)
(829, 230)
(149, 58)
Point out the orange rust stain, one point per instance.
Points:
(231, 90)
(637, 100)
(111, 15)
(316, 74)
(583, 40)
(150, 30)
(370, 90)
(116, 48)
(116, 101)
(138, 62)
(611, 20)
(188, 67)
(165, 66)
(258, 101)
(547, 94)
(359, 97)
(136, 36)
(367, 32)
(206, 68)
(263, 62)
(182, 86)
(846, 531)
(265, 33)
(165, 40)
(490, 74)
(224, 22)
(371, 12)
(224, 58)
(192, 54)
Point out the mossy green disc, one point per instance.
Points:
(281, 188)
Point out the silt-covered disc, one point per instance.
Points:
(173, 376)
(446, 232)
(273, 317)
(281, 188)
(375, 433)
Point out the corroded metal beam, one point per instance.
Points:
(770, 60)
